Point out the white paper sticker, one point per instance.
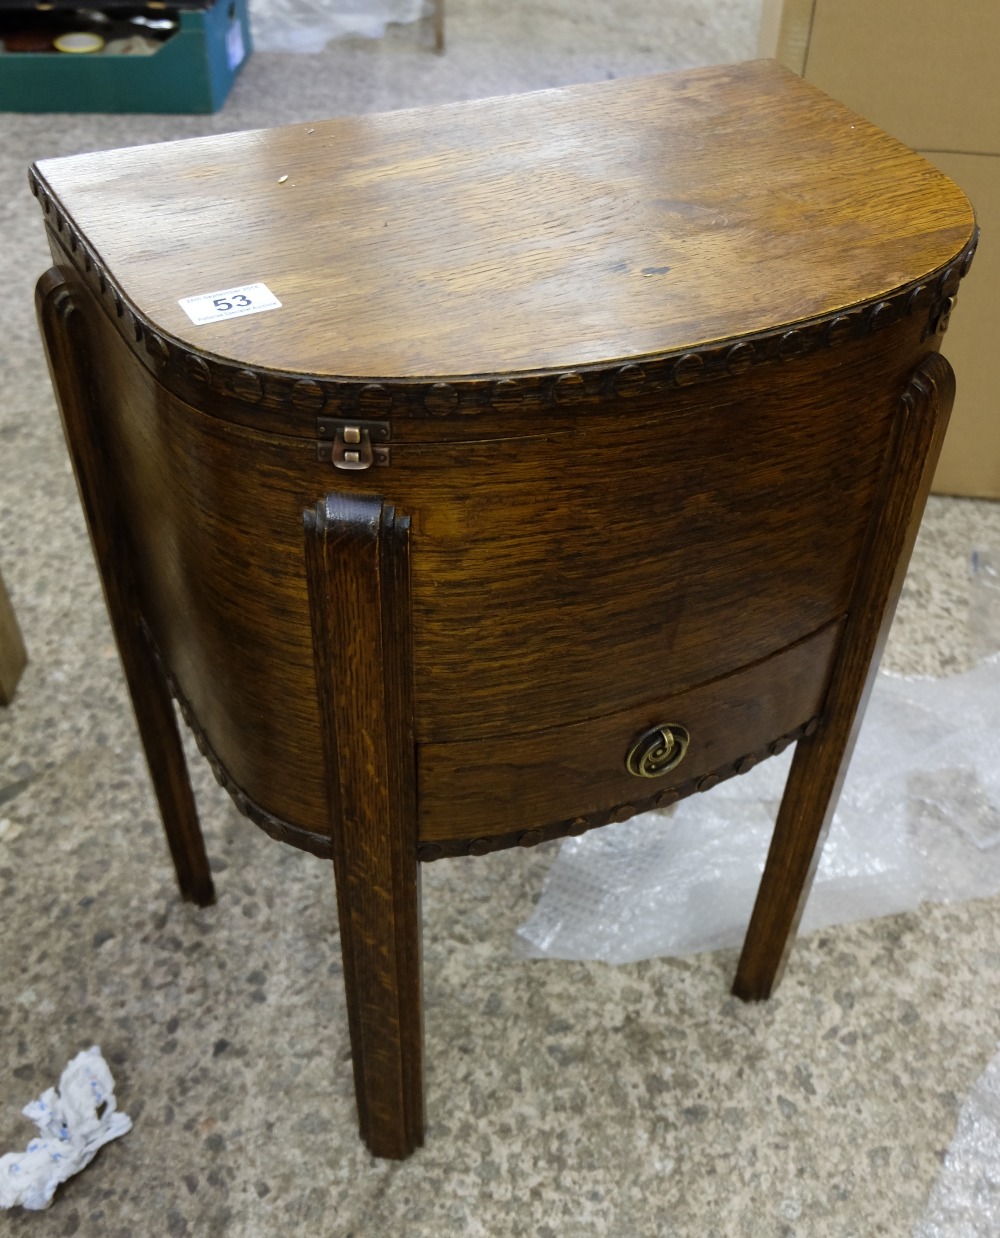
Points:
(235, 51)
(229, 303)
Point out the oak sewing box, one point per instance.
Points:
(611, 411)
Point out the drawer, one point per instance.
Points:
(481, 794)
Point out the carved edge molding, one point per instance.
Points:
(448, 847)
(277, 828)
(190, 374)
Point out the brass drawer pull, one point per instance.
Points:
(658, 750)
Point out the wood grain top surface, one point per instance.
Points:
(536, 232)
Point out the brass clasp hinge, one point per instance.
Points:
(350, 444)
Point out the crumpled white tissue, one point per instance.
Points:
(73, 1123)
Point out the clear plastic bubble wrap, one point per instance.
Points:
(308, 25)
(918, 820)
(965, 1201)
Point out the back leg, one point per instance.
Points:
(65, 344)
(821, 759)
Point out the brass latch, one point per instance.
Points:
(355, 444)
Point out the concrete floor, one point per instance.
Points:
(564, 1099)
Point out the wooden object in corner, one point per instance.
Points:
(13, 655)
(612, 411)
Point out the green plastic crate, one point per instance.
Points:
(192, 72)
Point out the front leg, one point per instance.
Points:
(358, 572)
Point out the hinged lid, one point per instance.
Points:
(538, 232)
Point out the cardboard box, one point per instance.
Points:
(924, 72)
(192, 71)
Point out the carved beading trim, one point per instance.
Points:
(276, 827)
(449, 847)
(182, 370)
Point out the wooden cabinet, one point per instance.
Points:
(611, 411)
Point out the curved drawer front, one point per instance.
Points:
(565, 779)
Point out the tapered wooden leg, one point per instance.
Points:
(75, 387)
(821, 760)
(358, 570)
